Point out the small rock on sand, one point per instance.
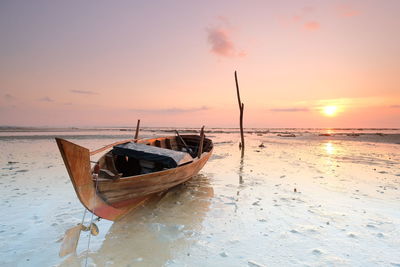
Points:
(223, 254)
(380, 235)
(316, 252)
(352, 235)
(255, 264)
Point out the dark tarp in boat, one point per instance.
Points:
(167, 157)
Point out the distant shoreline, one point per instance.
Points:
(210, 129)
(374, 135)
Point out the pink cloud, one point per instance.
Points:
(308, 9)
(221, 44)
(303, 19)
(347, 11)
(311, 25)
(296, 18)
(9, 97)
(46, 99)
(84, 92)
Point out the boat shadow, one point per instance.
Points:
(167, 225)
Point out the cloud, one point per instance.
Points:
(395, 106)
(9, 97)
(296, 18)
(289, 109)
(46, 99)
(304, 19)
(171, 110)
(308, 9)
(311, 25)
(347, 11)
(84, 92)
(221, 43)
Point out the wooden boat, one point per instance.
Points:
(132, 171)
(139, 232)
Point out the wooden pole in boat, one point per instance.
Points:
(137, 129)
(184, 143)
(200, 150)
(241, 108)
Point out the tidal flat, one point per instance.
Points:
(308, 200)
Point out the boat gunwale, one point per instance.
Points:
(162, 172)
(87, 190)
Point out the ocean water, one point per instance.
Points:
(313, 197)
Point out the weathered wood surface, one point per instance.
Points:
(200, 149)
(137, 130)
(110, 146)
(241, 109)
(141, 185)
(77, 162)
(113, 199)
(70, 240)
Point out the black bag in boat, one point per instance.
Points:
(166, 157)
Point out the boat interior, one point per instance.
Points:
(164, 153)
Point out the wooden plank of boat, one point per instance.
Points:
(70, 241)
(113, 198)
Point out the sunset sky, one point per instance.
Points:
(171, 63)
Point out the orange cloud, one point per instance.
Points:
(311, 25)
(289, 109)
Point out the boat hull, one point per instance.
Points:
(110, 199)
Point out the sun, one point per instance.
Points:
(330, 110)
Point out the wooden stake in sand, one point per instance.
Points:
(200, 151)
(241, 108)
(137, 129)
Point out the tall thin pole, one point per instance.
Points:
(241, 108)
(200, 150)
(137, 129)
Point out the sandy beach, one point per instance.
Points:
(310, 200)
(310, 89)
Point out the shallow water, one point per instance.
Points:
(310, 200)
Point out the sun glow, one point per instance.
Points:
(330, 110)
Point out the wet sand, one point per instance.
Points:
(308, 200)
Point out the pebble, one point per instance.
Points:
(255, 264)
(223, 254)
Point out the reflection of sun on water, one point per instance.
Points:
(330, 149)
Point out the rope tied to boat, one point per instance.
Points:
(83, 218)
(95, 176)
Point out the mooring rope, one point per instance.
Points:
(84, 215)
(91, 222)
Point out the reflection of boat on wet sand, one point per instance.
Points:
(166, 226)
(133, 170)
